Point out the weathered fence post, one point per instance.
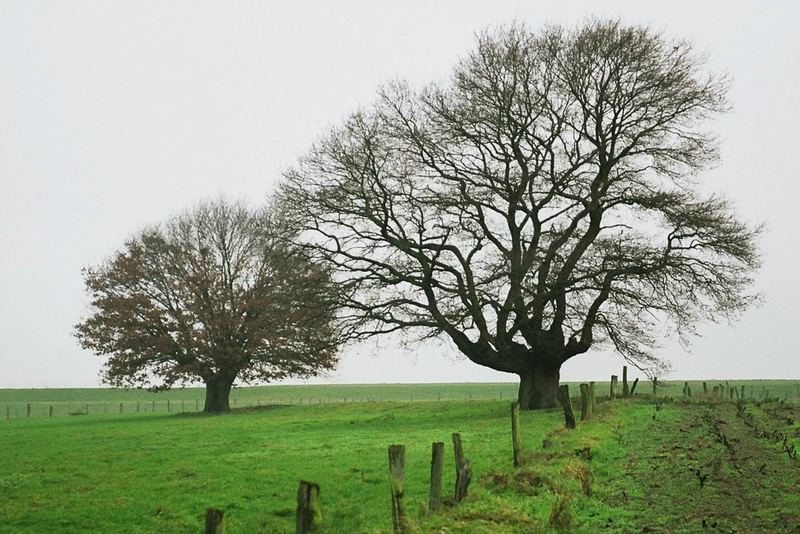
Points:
(705, 387)
(633, 387)
(730, 392)
(463, 469)
(586, 402)
(397, 479)
(591, 395)
(613, 392)
(437, 467)
(8, 411)
(120, 407)
(51, 410)
(685, 388)
(29, 409)
(515, 434)
(309, 514)
(625, 391)
(742, 396)
(213, 521)
(688, 391)
(168, 406)
(563, 397)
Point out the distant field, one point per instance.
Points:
(14, 402)
(639, 465)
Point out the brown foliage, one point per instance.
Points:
(214, 295)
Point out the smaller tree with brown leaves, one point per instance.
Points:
(213, 295)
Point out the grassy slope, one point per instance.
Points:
(158, 473)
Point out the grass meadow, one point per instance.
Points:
(669, 464)
(103, 401)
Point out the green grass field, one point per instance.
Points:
(637, 466)
(65, 401)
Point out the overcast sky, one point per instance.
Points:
(117, 114)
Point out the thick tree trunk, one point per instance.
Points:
(218, 392)
(538, 388)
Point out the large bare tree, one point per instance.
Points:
(541, 202)
(213, 295)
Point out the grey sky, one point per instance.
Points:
(117, 114)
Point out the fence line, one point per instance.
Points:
(26, 409)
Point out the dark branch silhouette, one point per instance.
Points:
(540, 203)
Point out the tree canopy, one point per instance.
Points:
(215, 294)
(543, 201)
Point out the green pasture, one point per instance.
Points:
(103, 401)
(634, 467)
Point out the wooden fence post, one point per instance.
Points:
(120, 407)
(51, 410)
(633, 387)
(397, 479)
(167, 406)
(29, 409)
(463, 469)
(563, 397)
(705, 387)
(153, 409)
(309, 513)
(586, 402)
(515, 434)
(213, 521)
(625, 391)
(742, 396)
(437, 467)
(8, 411)
(685, 387)
(591, 395)
(613, 392)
